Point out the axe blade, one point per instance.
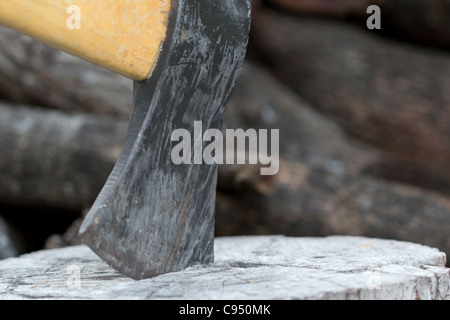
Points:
(152, 216)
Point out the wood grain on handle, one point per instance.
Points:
(124, 36)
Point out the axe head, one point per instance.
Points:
(153, 216)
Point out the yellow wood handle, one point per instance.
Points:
(124, 36)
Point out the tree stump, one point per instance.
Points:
(248, 267)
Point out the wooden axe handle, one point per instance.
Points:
(124, 36)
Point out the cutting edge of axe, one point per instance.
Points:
(152, 216)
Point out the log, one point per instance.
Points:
(32, 73)
(306, 136)
(261, 268)
(417, 21)
(53, 159)
(390, 95)
(305, 201)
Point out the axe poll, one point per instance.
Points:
(152, 216)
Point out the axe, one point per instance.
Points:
(184, 56)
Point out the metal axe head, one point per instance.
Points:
(153, 216)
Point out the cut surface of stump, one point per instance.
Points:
(246, 267)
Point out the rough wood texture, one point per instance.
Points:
(273, 267)
(35, 74)
(261, 102)
(53, 159)
(391, 95)
(122, 36)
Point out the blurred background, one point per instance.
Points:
(364, 119)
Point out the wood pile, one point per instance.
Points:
(364, 119)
